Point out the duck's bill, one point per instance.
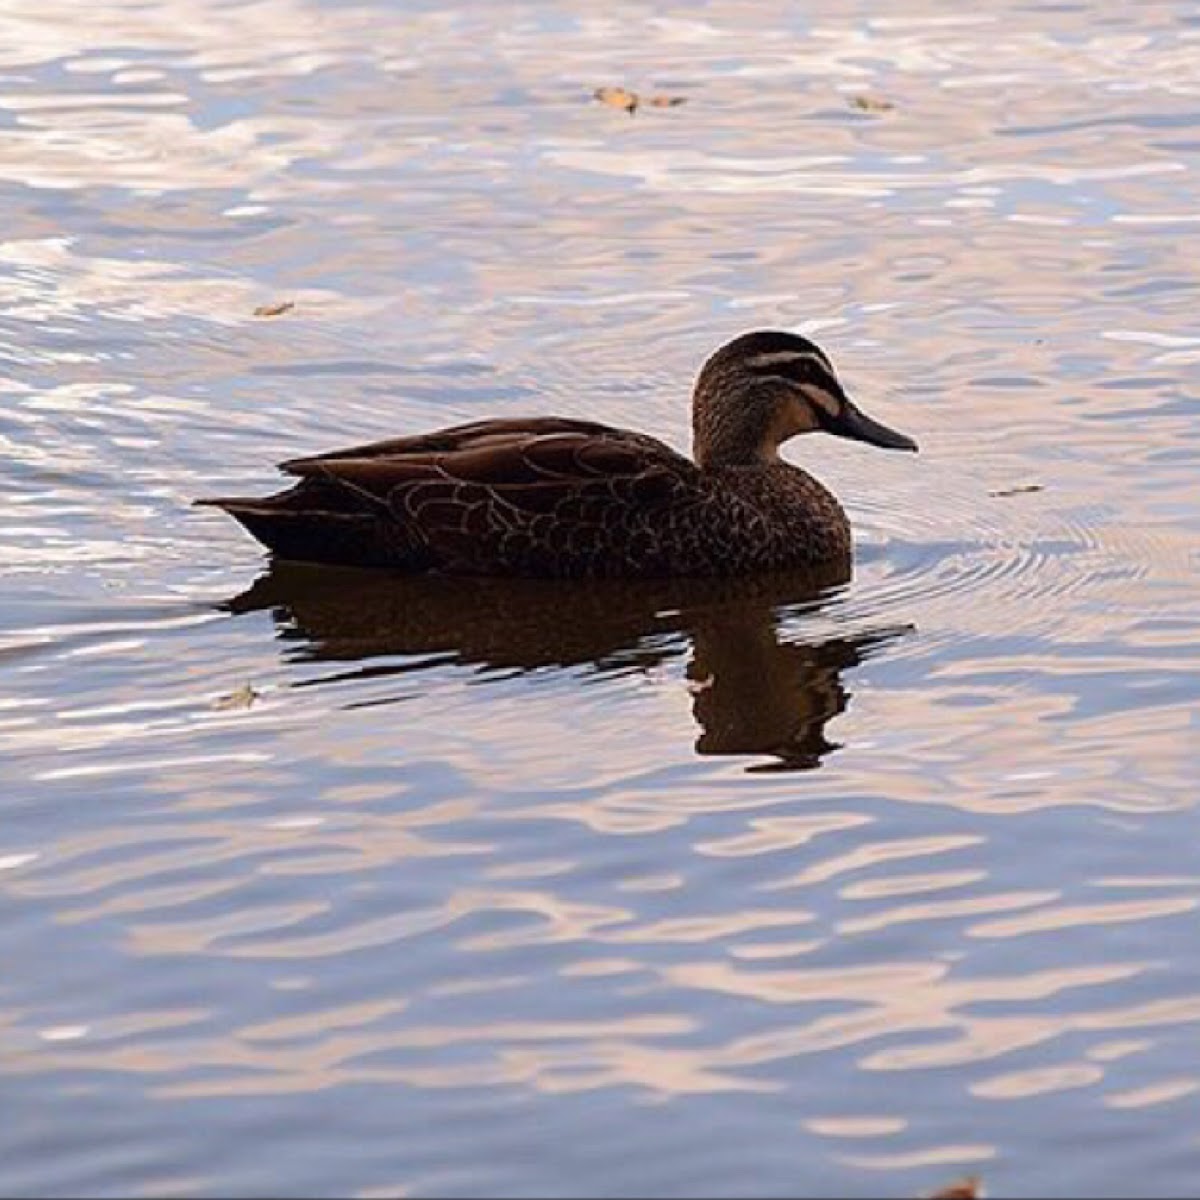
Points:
(853, 423)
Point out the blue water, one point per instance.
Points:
(324, 884)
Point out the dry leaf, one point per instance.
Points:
(871, 104)
(630, 102)
(1019, 490)
(696, 686)
(275, 310)
(617, 97)
(244, 697)
(969, 1187)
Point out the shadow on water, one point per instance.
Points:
(759, 686)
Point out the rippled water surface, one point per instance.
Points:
(328, 883)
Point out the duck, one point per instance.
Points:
(559, 497)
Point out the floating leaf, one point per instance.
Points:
(617, 97)
(275, 310)
(969, 1187)
(243, 697)
(871, 104)
(630, 102)
(1019, 490)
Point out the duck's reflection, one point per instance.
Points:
(754, 691)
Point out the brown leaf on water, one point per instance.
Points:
(1019, 490)
(243, 697)
(969, 1187)
(616, 97)
(630, 102)
(874, 104)
(275, 310)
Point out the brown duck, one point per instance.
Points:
(553, 496)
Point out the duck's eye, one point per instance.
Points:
(799, 367)
(792, 363)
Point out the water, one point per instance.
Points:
(316, 883)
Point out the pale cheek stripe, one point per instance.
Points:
(821, 398)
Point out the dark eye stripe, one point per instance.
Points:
(796, 367)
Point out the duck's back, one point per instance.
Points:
(545, 496)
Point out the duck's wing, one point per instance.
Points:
(475, 435)
(543, 496)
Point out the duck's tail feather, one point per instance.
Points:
(293, 525)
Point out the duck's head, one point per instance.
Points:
(763, 388)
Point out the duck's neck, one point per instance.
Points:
(735, 427)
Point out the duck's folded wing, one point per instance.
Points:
(473, 435)
(512, 499)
